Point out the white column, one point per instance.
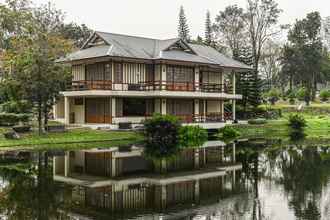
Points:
(163, 104)
(113, 167)
(55, 109)
(222, 109)
(197, 74)
(204, 109)
(234, 83)
(197, 190)
(234, 110)
(113, 107)
(67, 164)
(163, 76)
(234, 153)
(163, 195)
(196, 158)
(67, 110)
(196, 110)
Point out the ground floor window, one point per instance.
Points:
(137, 107)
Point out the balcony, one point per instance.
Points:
(84, 85)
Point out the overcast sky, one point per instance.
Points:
(159, 18)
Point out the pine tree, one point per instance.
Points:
(248, 83)
(183, 29)
(208, 29)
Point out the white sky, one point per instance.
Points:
(159, 18)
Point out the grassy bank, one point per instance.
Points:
(318, 126)
(75, 138)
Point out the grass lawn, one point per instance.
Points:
(318, 126)
(75, 138)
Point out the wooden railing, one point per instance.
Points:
(149, 86)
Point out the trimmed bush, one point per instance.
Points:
(162, 136)
(192, 136)
(258, 121)
(10, 119)
(297, 121)
(228, 132)
(324, 95)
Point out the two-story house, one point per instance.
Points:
(119, 78)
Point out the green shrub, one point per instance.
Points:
(10, 119)
(228, 132)
(273, 95)
(297, 121)
(162, 136)
(258, 121)
(16, 107)
(324, 95)
(292, 97)
(192, 136)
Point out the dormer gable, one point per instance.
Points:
(94, 40)
(180, 45)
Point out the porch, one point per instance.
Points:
(108, 112)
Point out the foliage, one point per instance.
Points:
(305, 61)
(78, 33)
(183, 29)
(324, 95)
(192, 136)
(162, 136)
(301, 93)
(19, 106)
(296, 121)
(258, 121)
(9, 119)
(273, 95)
(208, 30)
(228, 133)
(229, 24)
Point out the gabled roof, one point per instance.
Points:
(118, 45)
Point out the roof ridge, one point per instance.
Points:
(127, 35)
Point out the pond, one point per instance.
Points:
(245, 180)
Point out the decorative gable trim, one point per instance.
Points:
(180, 45)
(94, 40)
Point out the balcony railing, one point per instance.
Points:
(149, 86)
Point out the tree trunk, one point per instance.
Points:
(40, 117)
(45, 116)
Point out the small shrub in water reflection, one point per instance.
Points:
(162, 136)
(192, 136)
(297, 121)
(228, 132)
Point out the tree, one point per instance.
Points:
(183, 29)
(260, 18)
(229, 25)
(31, 60)
(304, 55)
(270, 64)
(78, 33)
(208, 30)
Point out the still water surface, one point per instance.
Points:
(243, 181)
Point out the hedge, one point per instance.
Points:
(10, 119)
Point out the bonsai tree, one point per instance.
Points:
(162, 136)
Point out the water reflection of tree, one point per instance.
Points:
(31, 192)
(305, 172)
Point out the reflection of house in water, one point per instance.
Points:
(110, 179)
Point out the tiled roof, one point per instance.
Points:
(118, 45)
